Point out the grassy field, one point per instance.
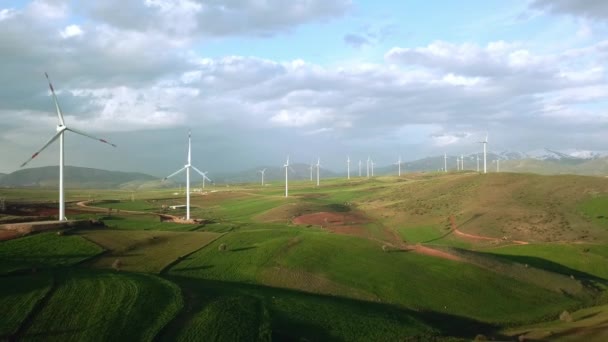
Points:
(84, 308)
(145, 251)
(525, 248)
(45, 250)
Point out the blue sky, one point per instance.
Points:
(256, 80)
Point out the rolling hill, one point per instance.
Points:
(75, 177)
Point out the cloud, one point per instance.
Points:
(356, 40)
(215, 19)
(71, 31)
(591, 9)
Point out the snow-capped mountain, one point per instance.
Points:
(549, 154)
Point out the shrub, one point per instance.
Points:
(117, 264)
(222, 247)
(565, 316)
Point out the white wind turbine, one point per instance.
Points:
(359, 167)
(445, 162)
(204, 174)
(311, 167)
(287, 167)
(262, 172)
(318, 165)
(187, 167)
(347, 167)
(372, 164)
(61, 128)
(485, 143)
(457, 164)
(462, 162)
(368, 167)
(399, 166)
(497, 165)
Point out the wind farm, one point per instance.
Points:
(303, 171)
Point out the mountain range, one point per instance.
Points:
(542, 162)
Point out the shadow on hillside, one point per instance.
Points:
(240, 249)
(287, 325)
(546, 265)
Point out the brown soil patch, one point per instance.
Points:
(8, 235)
(348, 223)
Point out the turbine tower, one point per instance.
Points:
(347, 167)
(367, 167)
(318, 165)
(497, 165)
(61, 128)
(445, 162)
(359, 167)
(372, 164)
(457, 164)
(187, 167)
(286, 166)
(462, 162)
(311, 167)
(485, 143)
(205, 178)
(262, 172)
(399, 166)
(477, 162)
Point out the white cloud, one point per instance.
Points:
(7, 13)
(71, 31)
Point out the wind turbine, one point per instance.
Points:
(311, 167)
(204, 174)
(477, 162)
(187, 167)
(457, 164)
(485, 143)
(318, 165)
(359, 167)
(286, 166)
(61, 128)
(262, 172)
(372, 164)
(497, 165)
(462, 162)
(399, 165)
(445, 162)
(347, 167)
(367, 167)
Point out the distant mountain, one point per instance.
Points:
(76, 177)
(272, 174)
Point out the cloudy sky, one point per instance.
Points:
(256, 80)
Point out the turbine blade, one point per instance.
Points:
(90, 136)
(43, 147)
(189, 148)
(174, 173)
(59, 113)
(200, 172)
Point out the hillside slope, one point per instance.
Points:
(75, 177)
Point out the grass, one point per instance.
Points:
(145, 251)
(45, 250)
(18, 297)
(402, 278)
(294, 315)
(279, 281)
(589, 324)
(589, 259)
(103, 306)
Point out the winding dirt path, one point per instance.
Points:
(480, 237)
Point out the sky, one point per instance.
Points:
(257, 80)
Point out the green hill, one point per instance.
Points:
(75, 177)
